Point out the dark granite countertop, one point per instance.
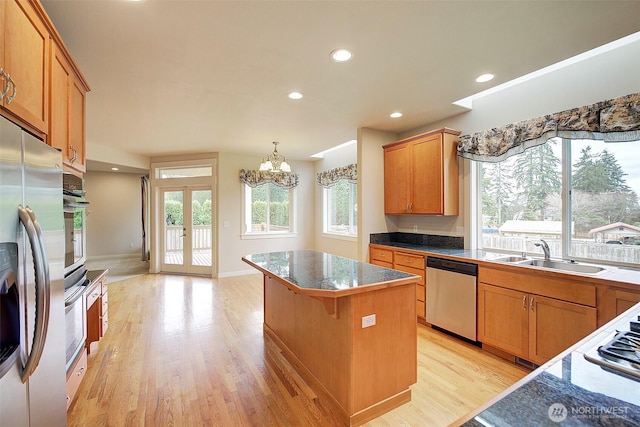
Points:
(324, 273)
(92, 275)
(569, 391)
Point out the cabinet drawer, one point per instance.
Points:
(420, 292)
(93, 293)
(411, 270)
(105, 322)
(410, 260)
(75, 377)
(382, 255)
(105, 302)
(420, 309)
(382, 263)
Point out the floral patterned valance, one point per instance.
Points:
(328, 178)
(254, 178)
(614, 120)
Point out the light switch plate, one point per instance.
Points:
(368, 321)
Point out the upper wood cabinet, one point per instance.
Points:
(67, 118)
(421, 174)
(24, 59)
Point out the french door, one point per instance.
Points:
(187, 231)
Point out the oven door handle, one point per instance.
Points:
(43, 289)
(76, 296)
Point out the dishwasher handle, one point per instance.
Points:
(453, 266)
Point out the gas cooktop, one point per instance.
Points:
(619, 352)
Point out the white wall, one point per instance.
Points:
(371, 218)
(231, 246)
(114, 231)
(342, 246)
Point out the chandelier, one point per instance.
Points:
(275, 162)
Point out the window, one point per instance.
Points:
(268, 209)
(523, 202)
(341, 208)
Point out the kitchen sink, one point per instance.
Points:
(563, 265)
(508, 259)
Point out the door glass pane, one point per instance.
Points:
(173, 227)
(201, 227)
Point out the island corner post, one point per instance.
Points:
(348, 328)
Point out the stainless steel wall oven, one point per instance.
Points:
(74, 206)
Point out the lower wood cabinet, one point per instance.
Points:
(408, 262)
(75, 377)
(97, 309)
(530, 326)
(616, 300)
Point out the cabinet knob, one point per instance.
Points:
(68, 398)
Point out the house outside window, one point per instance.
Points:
(268, 210)
(340, 207)
(580, 196)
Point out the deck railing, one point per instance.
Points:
(201, 237)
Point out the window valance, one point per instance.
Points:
(254, 178)
(614, 120)
(329, 178)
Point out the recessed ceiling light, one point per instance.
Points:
(341, 55)
(295, 95)
(484, 78)
(115, 169)
(395, 115)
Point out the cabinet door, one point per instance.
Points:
(427, 176)
(556, 325)
(396, 179)
(77, 96)
(59, 114)
(503, 319)
(26, 59)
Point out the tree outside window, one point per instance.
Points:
(268, 209)
(341, 209)
(522, 200)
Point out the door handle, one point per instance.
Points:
(41, 270)
(524, 302)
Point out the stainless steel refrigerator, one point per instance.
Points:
(32, 328)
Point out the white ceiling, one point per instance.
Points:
(174, 77)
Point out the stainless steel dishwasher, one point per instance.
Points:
(451, 296)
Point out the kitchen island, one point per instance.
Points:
(348, 327)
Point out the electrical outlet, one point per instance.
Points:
(459, 231)
(415, 228)
(368, 321)
(131, 245)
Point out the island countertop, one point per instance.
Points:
(322, 274)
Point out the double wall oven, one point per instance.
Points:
(75, 272)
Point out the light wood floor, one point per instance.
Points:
(188, 351)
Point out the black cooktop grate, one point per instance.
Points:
(624, 346)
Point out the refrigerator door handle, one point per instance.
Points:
(34, 233)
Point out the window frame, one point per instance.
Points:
(352, 233)
(566, 162)
(246, 222)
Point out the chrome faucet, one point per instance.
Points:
(545, 248)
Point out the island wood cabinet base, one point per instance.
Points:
(363, 372)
